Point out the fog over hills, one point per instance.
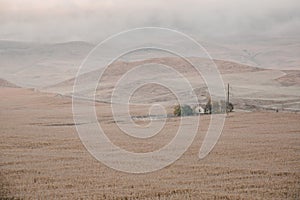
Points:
(40, 65)
(42, 44)
(37, 65)
(53, 67)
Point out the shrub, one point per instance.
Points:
(185, 110)
(177, 110)
(218, 106)
(230, 107)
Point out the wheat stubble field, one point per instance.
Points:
(42, 157)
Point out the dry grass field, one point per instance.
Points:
(42, 157)
(149, 100)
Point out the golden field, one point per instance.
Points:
(42, 157)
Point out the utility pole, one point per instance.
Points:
(228, 93)
(227, 102)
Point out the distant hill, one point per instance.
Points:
(291, 78)
(52, 68)
(5, 83)
(37, 65)
(119, 68)
(152, 93)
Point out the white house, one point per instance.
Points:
(199, 110)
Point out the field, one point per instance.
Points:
(42, 157)
(149, 100)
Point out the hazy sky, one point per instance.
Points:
(94, 20)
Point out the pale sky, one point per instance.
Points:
(94, 20)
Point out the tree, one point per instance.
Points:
(230, 107)
(208, 106)
(185, 110)
(177, 110)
